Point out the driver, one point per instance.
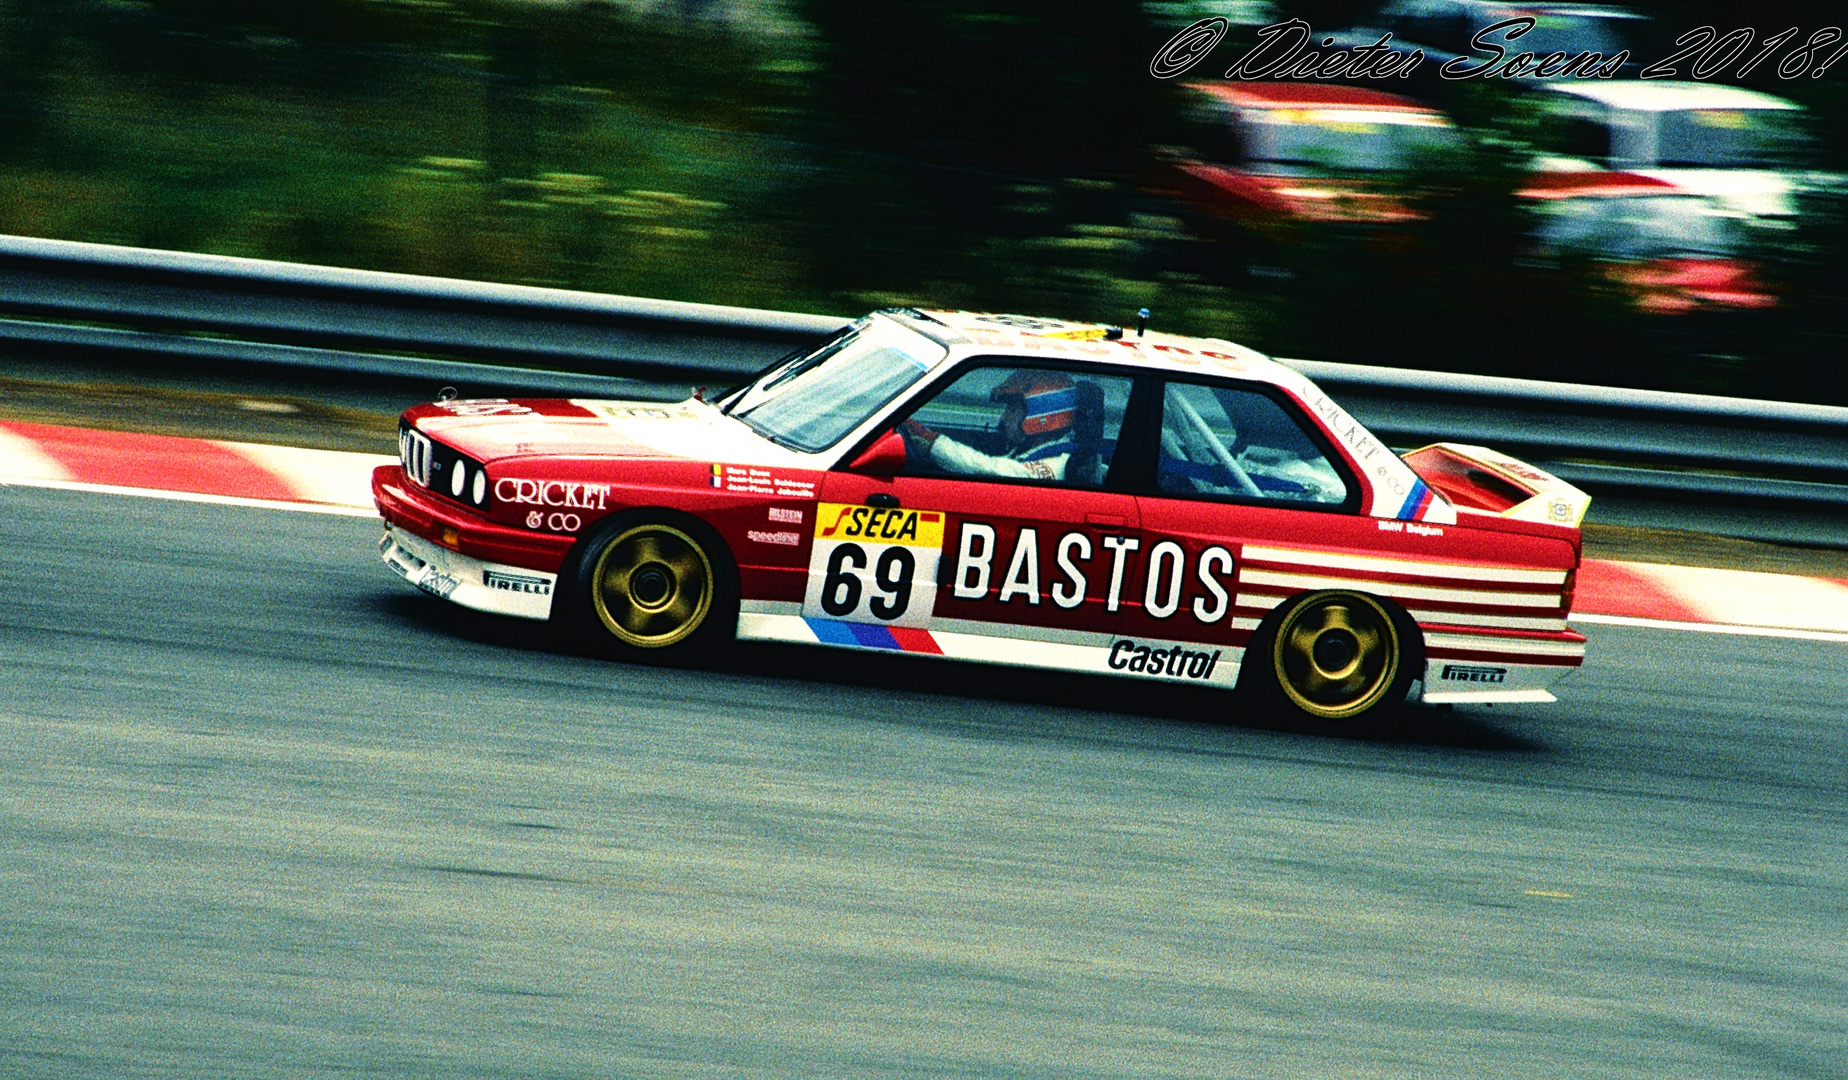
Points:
(1035, 427)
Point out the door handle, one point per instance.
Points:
(1116, 520)
(883, 499)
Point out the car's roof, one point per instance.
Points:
(1296, 95)
(1666, 96)
(971, 332)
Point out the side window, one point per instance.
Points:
(1585, 137)
(1219, 441)
(1212, 129)
(1019, 423)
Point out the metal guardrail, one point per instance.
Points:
(1756, 469)
(160, 301)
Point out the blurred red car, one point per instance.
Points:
(1305, 152)
(1669, 250)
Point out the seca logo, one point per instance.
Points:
(552, 493)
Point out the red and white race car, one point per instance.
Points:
(1007, 490)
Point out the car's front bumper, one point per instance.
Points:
(448, 552)
(485, 586)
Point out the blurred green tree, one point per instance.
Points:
(31, 43)
(938, 113)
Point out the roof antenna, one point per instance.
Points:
(1142, 321)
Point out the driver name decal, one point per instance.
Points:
(751, 480)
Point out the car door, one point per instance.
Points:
(1237, 470)
(977, 551)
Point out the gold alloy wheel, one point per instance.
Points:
(652, 586)
(1336, 654)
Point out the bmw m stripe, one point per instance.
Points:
(873, 636)
(1415, 501)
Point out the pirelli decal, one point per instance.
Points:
(1474, 673)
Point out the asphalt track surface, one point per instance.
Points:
(267, 813)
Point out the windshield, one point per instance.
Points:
(1731, 139)
(812, 401)
(1345, 138)
(1640, 227)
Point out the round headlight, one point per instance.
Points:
(480, 490)
(458, 479)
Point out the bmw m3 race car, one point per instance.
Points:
(1007, 490)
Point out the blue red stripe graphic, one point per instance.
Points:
(1416, 500)
(873, 636)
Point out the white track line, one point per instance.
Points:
(190, 496)
(1711, 628)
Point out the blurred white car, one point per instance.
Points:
(1669, 251)
(1744, 148)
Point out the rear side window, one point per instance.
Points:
(1226, 442)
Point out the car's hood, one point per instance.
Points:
(1757, 192)
(488, 430)
(1338, 199)
(1306, 198)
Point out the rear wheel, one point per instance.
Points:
(658, 587)
(1335, 655)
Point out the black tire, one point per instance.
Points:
(654, 586)
(1335, 658)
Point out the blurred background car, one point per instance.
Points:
(1267, 157)
(1745, 148)
(1666, 250)
(1443, 29)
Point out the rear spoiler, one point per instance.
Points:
(1477, 479)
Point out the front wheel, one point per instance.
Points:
(1335, 655)
(659, 588)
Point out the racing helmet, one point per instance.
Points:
(1050, 400)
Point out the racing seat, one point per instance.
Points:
(1088, 463)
